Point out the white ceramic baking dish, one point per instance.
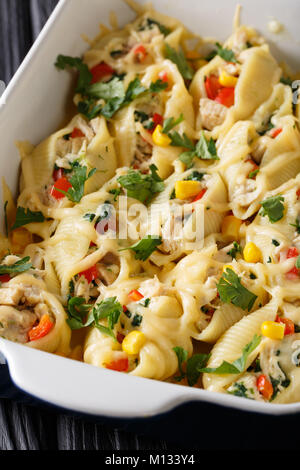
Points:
(32, 107)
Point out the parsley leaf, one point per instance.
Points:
(273, 208)
(162, 28)
(194, 366)
(106, 90)
(77, 312)
(158, 86)
(298, 262)
(77, 180)
(235, 250)
(181, 141)
(239, 364)
(170, 123)
(179, 59)
(20, 266)
(142, 187)
(116, 193)
(145, 247)
(109, 309)
(226, 54)
(231, 290)
(182, 356)
(253, 174)
(26, 216)
(85, 76)
(297, 226)
(81, 315)
(204, 149)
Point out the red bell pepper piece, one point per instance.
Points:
(275, 132)
(77, 133)
(264, 386)
(140, 53)
(163, 76)
(120, 338)
(5, 278)
(212, 87)
(58, 174)
(42, 329)
(292, 252)
(200, 195)
(135, 295)
(101, 71)
(226, 97)
(90, 274)
(121, 365)
(62, 184)
(289, 325)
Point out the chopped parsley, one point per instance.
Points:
(204, 149)
(142, 187)
(170, 123)
(196, 364)
(144, 248)
(150, 22)
(26, 216)
(178, 58)
(82, 315)
(89, 217)
(232, 291)
(252, 175)
(239, 365)
(298, 262)
(116, 193)
(235, 250)
(297, 226)
(137, 320)
(238, 390)
(20, 266)
(112, 92)
(195, 176)
(273, 208)
(182, 356)
(85, 76)
(226, 54)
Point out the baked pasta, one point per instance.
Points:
(157, 233)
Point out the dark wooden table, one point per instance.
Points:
(197, 426)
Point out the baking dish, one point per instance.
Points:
(33, 106)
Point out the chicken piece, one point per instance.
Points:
(32, 296)
(11, 295)
(152, 288)
(15, 324)
(212, 113)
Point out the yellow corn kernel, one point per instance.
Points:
(272, 329)
(252, 253)
(133, 342)
(20, 239)
(231, 228)
(227, 80)
(187, 189)
(159, 138)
